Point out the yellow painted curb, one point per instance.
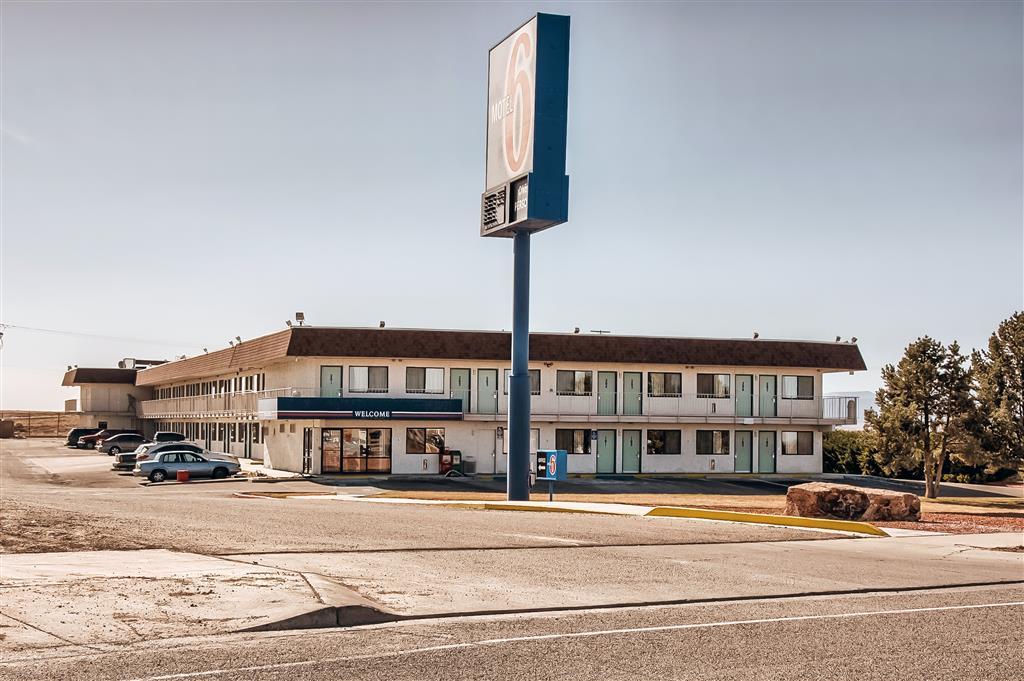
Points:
(546, 509)
(765, 519)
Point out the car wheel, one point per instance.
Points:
(157, 476)
(220, 472)
(114, 450)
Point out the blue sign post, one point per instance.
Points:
(552, 465)
(527, 189)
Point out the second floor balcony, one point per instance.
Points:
(554, 406)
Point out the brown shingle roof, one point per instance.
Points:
(314, 341)
(78, 376)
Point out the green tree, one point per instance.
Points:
(999, 374)
(923, 411)
(850, 451)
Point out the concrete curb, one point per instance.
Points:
(765, 519)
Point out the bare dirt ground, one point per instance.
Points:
(951, 516)
(40, 423)
(31, 528)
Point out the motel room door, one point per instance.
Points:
(744, 395)
(744, 452)
(487, 391)
(767, 393)
(605, 451)
(330, 381)
(460, 387)
(631, 451)
(632, 385)
(766, 451)
(607, 392)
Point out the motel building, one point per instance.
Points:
(324, 401)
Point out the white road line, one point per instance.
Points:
(578, 634)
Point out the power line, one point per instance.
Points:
(63, 332)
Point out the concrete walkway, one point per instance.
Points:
(103, 599)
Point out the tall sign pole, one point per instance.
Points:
(527, 188)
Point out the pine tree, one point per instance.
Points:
(999, 373)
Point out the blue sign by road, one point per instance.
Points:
(552, 464)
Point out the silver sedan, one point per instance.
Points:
(166, 464)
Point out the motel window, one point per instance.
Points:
(798, 387)
(534, 381)
(797, 442)
(664, 442)
(661, 384)
(424, 380)
(713, 385)
(710, 442)
(368, 379)
(574, 382)
(424, 440)
(573, 441)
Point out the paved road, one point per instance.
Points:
(952, 634)
(58, 496)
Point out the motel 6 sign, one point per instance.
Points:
(552, 464)
(527, 104)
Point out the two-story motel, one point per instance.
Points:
(365, 400)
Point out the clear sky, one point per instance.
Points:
(188, 172)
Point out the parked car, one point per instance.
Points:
(75, 433)
(126, 461)
(166, 464)
(91, 441)
(167, 436)
(122, 442)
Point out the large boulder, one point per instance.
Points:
(826, 500)
(885, 505)
(846, 502)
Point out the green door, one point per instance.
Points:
(744, 451)
(606, 451)
(460, 387)
(631, 451)
(632, 384)
(607, 392)
(767, 393)
(744, 395)
(330, 381)
(766, 451)
(487, 391)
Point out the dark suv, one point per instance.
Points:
(76, 433)
(91, 441)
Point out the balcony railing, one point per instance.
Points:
(242, 404)
(835, 410)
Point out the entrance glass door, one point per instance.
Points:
(766, 451)
(768, 394)
(460, 387)
(744, 452)
(355, 450)
(744, 395)
(605, 451)
(631, 451)
(330, 451)
(632, 385)
(607, 392)
(487, 391)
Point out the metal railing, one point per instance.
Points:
(241, 403)
(835, 410)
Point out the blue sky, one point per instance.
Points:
(188, 172)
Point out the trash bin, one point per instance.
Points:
(182, 476)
